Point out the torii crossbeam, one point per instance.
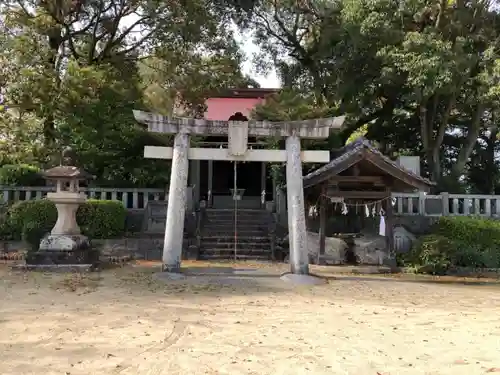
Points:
(237, 150)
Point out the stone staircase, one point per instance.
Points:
(252, 236)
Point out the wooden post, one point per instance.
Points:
(263, 184)
(322, 229)
(210, 182)
(389, 225)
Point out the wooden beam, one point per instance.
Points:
(276, 156)
(357, 194)
(322, 228)
(356, 179)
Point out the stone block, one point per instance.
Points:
(61, 242)
(63, 250)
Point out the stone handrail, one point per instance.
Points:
(404, 203)
(132, 198)
(446, 204)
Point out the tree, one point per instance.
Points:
(181, 84)
(294, 105)
(419, 74)
(76, 69)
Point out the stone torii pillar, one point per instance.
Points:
(237, 150)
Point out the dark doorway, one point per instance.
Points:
(248, 177)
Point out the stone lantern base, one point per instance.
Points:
(64, 250)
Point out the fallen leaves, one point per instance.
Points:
(77, 281)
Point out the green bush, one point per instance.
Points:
(102, 218)
(457, 242)
(26, 215)
(431, 254)
(21, 175)
(480, 233)
(5, 227)
(30, 220)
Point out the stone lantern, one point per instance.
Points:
(67, 197)
(65, 245)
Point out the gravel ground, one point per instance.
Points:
(124, 321)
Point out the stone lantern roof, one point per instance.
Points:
(67, 173)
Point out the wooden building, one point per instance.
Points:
(213, 180)
(359, 172)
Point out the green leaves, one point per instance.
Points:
(74, 71)
(429, 64)
(420, 76)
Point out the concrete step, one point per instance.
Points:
(230, 210)
(216, 219)
(238, 213)
(229, 233)
(253, 223)
(239, 245)
(230, 238)
(230, 255)
(238, 216)
(219, 226)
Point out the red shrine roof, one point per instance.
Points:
(248, 93)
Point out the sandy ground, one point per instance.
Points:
(124, 322)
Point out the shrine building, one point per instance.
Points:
(212, 180)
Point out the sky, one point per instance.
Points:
(270, 80)
(249, 48)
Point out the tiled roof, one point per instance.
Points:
(353, 149)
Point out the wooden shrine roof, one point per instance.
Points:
(357, 151)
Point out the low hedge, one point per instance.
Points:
(96, 218)
(482, 233)
(457, 242)
(102, 218)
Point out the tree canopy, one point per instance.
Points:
(419, 76)
(72, 71)
(416, 76)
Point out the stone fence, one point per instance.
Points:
(133, 199)
(446, 204)
(407, 204)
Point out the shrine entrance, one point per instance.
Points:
(238, 150)
(216, 178)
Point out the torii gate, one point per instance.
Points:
(237, 150)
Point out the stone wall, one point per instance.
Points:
(149, 248)
(370, 247)
(418, 225)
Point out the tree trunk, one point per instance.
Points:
(470, 141)
(490, 167)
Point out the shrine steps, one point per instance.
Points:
(252, 239)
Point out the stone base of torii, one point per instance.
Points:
(237, 150)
